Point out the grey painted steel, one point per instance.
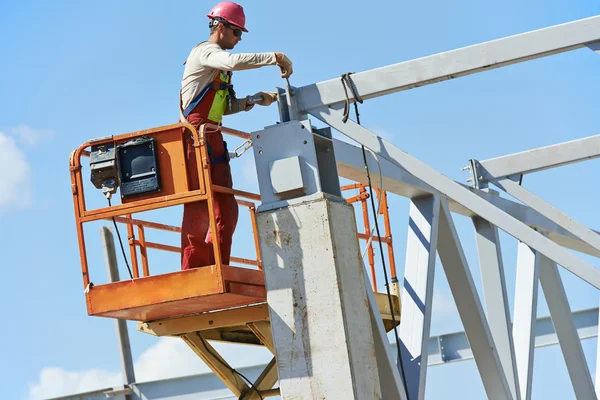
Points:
(294, 140)
(558, 305)
(279, 142)
(110, 257)
(469, 308)
(206, 386)
(540, 159)
(501, 171)
(417, 296)
(458, 193)
(594, 47)
(597, 363)
(455, 63)
(389, 377)
(524, 325)
(92, 395)
(549, 211)
(454, 347)
(397, 180)
(496, 299)
(317, 300)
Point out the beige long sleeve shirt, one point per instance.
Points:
(207, 59)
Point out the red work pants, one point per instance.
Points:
(196, 236)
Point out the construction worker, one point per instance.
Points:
(206, 95)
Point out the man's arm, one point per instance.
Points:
(225, 61)
(215, 57)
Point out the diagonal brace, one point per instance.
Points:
(216, 363)
(558, 305)
(460, 194)
(469, 308)
(549, 211)
(262, 330)
(265, 381)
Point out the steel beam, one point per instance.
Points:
(392, 386)
(558, 305)
(453, 64)
(110, 257)
(417, 296)
(396, 180)
(594, 47)
(453, 190)
(597, 361)
(262, 330)
(501, 171)
(454, 347)
(549, 211)
(265, 381)
(180, 325)
(524, 326)
(216, 363)
(540, 159)
(470, 308)
(496, 299)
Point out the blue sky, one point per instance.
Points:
(72, 71)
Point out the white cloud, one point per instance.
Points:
(55, 382)
(31, 136)
(15, 176)
(168, 358)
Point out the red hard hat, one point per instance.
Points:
(230, 12)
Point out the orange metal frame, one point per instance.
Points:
(219, 286)
(182, 292)
(387, 239)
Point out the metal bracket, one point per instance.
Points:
(284, 112)
(477, 176)
(287, 103)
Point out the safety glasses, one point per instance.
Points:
(236, 32)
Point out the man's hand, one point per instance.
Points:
(266, 98)
(238, 105)
(285, 64)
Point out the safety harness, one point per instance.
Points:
(217, 85)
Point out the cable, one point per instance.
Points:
(378, 205)
(121, 243)
(233, 370)
(347, 81)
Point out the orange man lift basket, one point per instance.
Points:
(172, 294)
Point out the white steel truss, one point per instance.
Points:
(502, 349)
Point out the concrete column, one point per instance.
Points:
(318, 302)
